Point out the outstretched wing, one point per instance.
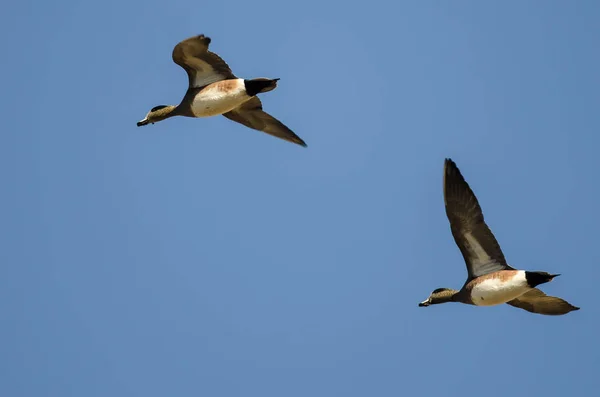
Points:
(474, 238)
(535, 301)
(251, 114)
(202, 66)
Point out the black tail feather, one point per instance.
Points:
(536, 278)
(256, 86)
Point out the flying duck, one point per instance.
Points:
(213, 90)
(491, 281)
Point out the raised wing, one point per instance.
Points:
(535, 301)
(251, 115)
(474, 238)
(202, 66)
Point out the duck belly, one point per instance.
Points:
(220, 97)
(499, 288)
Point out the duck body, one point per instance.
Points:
(498, 288)
(503, 286)
(217, 98)
(224, 96)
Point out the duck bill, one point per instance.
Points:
(424, 303)
(142, 122)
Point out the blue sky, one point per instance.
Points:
(201, 258)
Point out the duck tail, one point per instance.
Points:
(536, 278)
(256, 86)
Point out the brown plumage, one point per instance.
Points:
(535, 301)
(202, 66)
(251, 115)
(466, 218)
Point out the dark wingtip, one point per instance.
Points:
(205, 38)
(450, 164)
(451, 170)
(298, 141)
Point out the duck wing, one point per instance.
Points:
(251, 114)
(535, 301)
(202, 66)
(479, 247)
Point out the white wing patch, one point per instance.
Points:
(205, 73)
(206, 78)
(480, 257)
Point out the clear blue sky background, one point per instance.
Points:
(200, 258)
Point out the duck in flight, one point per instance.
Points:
(491, 281)
(214, 90)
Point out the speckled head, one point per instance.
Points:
(156, 114)
(439, 295)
